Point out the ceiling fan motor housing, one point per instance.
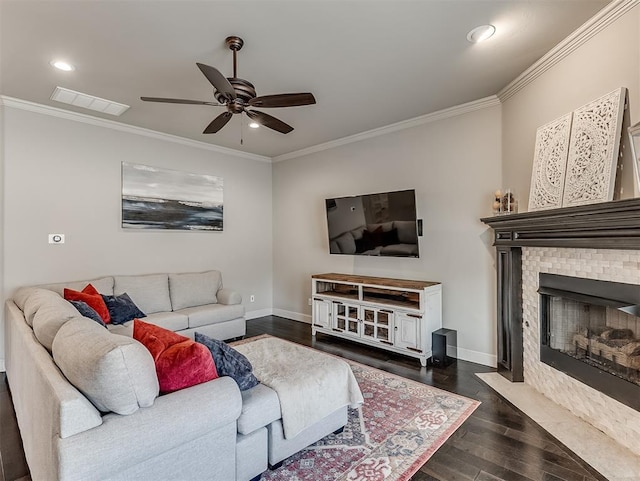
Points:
(245, 91)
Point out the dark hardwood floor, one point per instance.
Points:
(498, 442)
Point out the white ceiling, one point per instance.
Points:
(368, 63)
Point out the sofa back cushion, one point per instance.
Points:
(50, 317)
(30, 299)
(116, 373)
(150, 293)
(407, 233)
(104, 285)
(194, 289)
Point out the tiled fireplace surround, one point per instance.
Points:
(615, 419)
(599, 242)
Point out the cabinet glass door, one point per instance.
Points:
(376, 324)
(346, 318)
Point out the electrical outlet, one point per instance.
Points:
(56, 238)
(252, 298)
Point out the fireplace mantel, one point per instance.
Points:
(607, 225)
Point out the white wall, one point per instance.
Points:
(609, 60)
(454, 165)
(2, 187)
(64, 176)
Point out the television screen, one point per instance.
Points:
(382, 224)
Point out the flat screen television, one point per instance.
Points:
(381, 224)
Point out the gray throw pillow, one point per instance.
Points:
(87, 311)
(122, 309)
(229, 362)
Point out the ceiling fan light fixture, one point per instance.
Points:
(254, 125)
(62, 65)
(481, 33)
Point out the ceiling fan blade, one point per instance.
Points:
(178, 101)
(269, 121)
(283, 100)
(218, 80)
(217, 123)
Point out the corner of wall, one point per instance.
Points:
(2, 191)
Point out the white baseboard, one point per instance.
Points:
(477, 357)
(258, 313)
(462, 354)
(296, 316)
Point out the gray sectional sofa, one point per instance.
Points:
(87, 398)
(395, 238)
(183, 302)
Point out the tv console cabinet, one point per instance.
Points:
(393, 314)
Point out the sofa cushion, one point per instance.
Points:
(122, 308)
(194, 289)
(87, 311)
(115, 373)
(400, 250)
(384, 226)
(174, 321)
(150, 293)
(229, 297)
(407, 231)
(346, 243)
(180, 362)
(92, 297)
(212, 314)
(104, 285)
(229, 362)
(33, 299)
(50, 317)
(260, 407)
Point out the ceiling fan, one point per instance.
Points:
(238, 95)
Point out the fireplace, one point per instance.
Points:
(590, 330)
(599, 242)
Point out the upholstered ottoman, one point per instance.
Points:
(314, 391)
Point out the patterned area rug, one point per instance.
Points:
(399, 427)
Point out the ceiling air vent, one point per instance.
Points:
(88, 101)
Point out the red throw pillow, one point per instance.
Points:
(180, 362)
(92, 297)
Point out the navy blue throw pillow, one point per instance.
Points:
(122, 308)
(229, 362)
(87, 311)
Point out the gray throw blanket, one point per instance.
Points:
(310, 384)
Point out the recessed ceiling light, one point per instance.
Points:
(254, 125)
(62, 65)
(481, 33)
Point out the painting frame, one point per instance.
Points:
(165, 199)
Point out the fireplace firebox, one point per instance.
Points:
(590, 330)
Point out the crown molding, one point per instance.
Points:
(110, 124)
(462, 109)
(584, 33)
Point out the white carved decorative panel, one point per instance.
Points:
(549, 164)
(593, 150)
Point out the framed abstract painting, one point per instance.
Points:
(154, 198)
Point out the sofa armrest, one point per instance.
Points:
(229, 297)
(173, 420)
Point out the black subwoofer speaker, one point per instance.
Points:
(440, 339)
